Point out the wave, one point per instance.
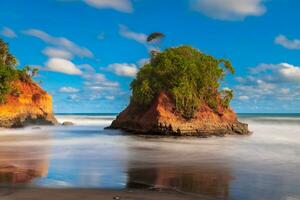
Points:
(100, 120)
(271, 119)
(251, 119)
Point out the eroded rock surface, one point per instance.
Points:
(30, 107)
(161, 118)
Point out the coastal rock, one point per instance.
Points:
(161, 118)
(31, 106)
(67, 124)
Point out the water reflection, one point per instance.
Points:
(263, 166)
(20, 162)
(97, 163)
(209, 180)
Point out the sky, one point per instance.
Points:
(89, 51)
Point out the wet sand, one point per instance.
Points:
(93, 194)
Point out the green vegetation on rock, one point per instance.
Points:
(9, 72)
(190, 76)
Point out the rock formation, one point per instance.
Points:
(161, 119)
(31, 106)
(178, 93)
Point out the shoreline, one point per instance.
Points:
(93, 194)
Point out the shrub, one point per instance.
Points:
(190, 76)
(9, 73)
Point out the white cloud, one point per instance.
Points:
(227, 89)
(96, 77)
(244, 98)
(57, 53)
(289, 72)
(269, 83)
(255, 90)
(96, 86)
(282, 72)
(262, 68)
(123, 69)
(73, 97)
(143, 61)
(229, 9)
(119, 5)
(63, 66)
(287, 43)
(60, 42)
(284, 90)
(110, 97)
(68, 90)
(139, 37)
(8, 32)
(98, 82)
(127, 33)
(86, 69)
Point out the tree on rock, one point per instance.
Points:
(191, 77)
(9, 72)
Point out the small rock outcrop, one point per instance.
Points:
(31, 106)
(160, 119)
(67, 124)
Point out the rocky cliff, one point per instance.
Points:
(29, 105)
(160, 118)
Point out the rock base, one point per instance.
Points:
(160, 119)
(237, 128)
(22, 121)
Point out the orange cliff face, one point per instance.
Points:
(31, 106)
(161, 118)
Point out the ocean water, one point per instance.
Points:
(264, 166)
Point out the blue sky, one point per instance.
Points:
(90, 50)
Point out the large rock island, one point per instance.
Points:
(178, 93)
(22, 101)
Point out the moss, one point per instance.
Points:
(189, 75)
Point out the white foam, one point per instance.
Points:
(86, 120)
(271, 142)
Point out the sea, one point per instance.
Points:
(262, 166)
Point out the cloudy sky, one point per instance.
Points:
(90, 50)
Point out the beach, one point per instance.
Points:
(92, 194)
(88, 161)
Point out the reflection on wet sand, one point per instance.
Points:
(23, 158)
(209, 180)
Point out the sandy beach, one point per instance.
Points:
(91, 194)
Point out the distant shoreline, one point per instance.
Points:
(239, 114)
(104, 114)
